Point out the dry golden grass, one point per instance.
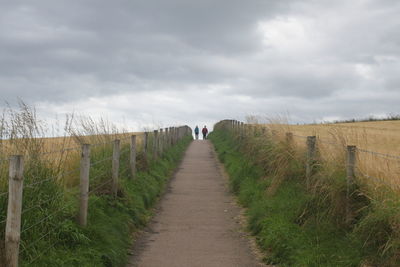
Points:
(382, 137)
(62, 153)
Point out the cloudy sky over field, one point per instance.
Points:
(183, 61)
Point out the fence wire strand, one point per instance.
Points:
(379, 154)
(100, 161)
(45, 218)
(53, 198)
(91, 191)
(40, 254)
(37, 240)
(32, 185)
(379, 180)
(60, 151)
(300, 136)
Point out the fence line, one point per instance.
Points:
(32, 185)
(379, 154)
(44, 251)
(76, 148)
(381, 181)
(163, 140)
(248, 130)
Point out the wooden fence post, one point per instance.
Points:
(13, 224)
(274, 133)
(350, 176)
(254, 131)
(84, 184)
(161, 142)
(155, 144)
(166, 143)
(311, 142)
(133, 156)
(174, 138)
(289, 138)
(115, 167)
(170, 134)
(263, 131)
(145, 145)
(171, 138)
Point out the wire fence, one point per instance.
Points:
(52, 178)
(43, 187)
(375, 179)
(248, 130)
(378, 154)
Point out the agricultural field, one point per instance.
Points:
(59, 153)
(378, 146)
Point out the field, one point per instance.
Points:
(378, 146)
(61, 153)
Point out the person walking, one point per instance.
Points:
(204, 132)
(196, 132)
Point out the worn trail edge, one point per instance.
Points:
(197, 222)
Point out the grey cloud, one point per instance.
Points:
(67, 53)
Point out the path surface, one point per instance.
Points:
(197, 223)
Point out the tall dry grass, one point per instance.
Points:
(22, 132)
(378, 144)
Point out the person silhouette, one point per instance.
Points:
(204, 132)
(196, 132)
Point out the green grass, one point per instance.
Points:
(293, 226)
(51, 236)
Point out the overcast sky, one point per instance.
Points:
(197, 62)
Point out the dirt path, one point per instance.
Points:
(197, 223)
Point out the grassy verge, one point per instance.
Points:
(304, 226)
(51, 236)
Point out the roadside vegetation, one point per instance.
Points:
(50, 234)
(299, 224)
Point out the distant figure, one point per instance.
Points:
(204, 132)
(196, 132)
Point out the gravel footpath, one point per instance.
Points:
(197, 222)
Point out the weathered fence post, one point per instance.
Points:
(13, 224)
(263, 131)
(115, 167)
(171, 134)
(161, 142)
(254, 130)
(166, 143)
(175, 135)
(274, 133)
(133, 156)
(289, 138)
(171, 137)
(145, 145)
(242, 131)
(350, 176)
(237, 129)
(311, 141)
(155, 144)
(84, 184)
